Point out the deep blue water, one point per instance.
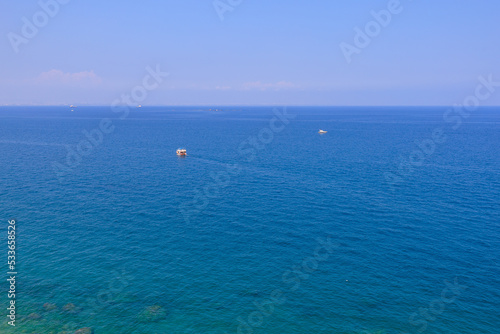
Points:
(264, 227)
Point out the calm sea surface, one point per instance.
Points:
(389, 223)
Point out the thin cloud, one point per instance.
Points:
(258, 85)
(59, 77)
(222, 88)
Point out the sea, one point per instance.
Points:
(386, 224)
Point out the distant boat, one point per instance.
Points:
(322, 131)
(181, 152)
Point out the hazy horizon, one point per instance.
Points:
(243, 105)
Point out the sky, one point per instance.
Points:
(248, 52)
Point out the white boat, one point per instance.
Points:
(322, 131)
(181, 152)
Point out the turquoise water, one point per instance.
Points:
(265, 227)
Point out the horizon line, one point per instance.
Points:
(239, 105)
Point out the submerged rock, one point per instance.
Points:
(34, 316)
(70, 308)
(49, 307)
(85, 330)
(153, 313)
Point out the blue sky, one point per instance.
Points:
(278, 52)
